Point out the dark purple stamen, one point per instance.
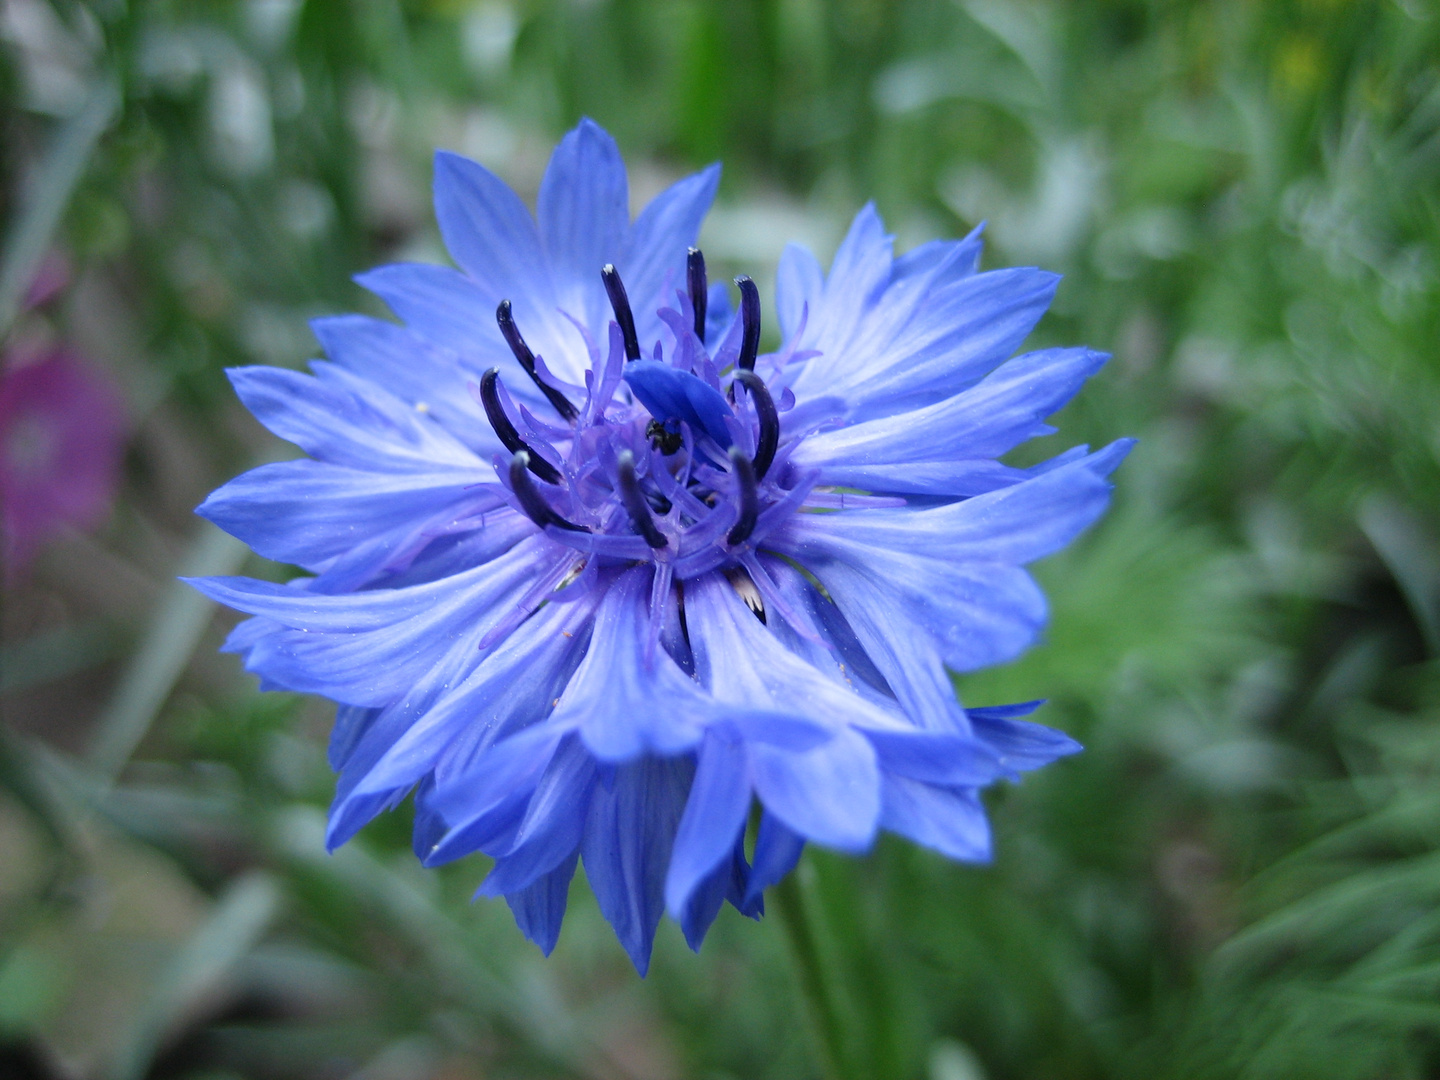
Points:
(749, 498)
(615, 289)
(530, 499)
(698, 288)
(769, 418)
(750, 320)
(495, 413)
(523, 354)
(634, 500)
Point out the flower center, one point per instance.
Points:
(680, 471)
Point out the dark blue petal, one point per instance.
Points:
(1020, 744)
(351, 723)
(777, 850)
(730, 881)
(539, 908)
(671, 395)
(627, 845)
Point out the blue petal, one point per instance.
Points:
(719, 313)
(942, 261)
(429, 825)
(714, 818)
(757, 684)
(728, 881)
(904, 653)
(671, 395)
(830, 795)
(584, 214)
(986, 421)
(554, 822)
(950, 820)
(512, 686)
(937, 757)
(799, 284)
(955, 568)
(539, 908)
(343, 419)
(615, 699)
(777, 850)
(894, 334)
(652, 260)
(351, 723)
(307, 513)
(1020, 744)
(968, 615)
(415, 370)
(457, 313)
(371, 648)
(627, 845)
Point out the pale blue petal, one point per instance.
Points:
(950, 820)
(652, 259)
(584, 214)
(306, 513)
(622, 707)
(425, 375)
(512, 686)
(799, 284)
(457, 313)
(829, 795)
(991, 418)
(370, 648)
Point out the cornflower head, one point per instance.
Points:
(592, 575)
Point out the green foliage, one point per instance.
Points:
(1238, 878)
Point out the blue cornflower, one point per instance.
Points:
(591, 574)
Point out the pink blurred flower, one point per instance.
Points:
(62, 433)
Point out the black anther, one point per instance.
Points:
(769, 421)
(699, 289)
(634, 500)
(506, 319)
(749, 498)
(750, 320)
(495, 413)
(531, 501)
(615, 289)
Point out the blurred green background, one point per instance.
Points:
(1241, 875)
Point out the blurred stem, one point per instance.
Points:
(49, 194)
(787, 903)
(174, 631)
